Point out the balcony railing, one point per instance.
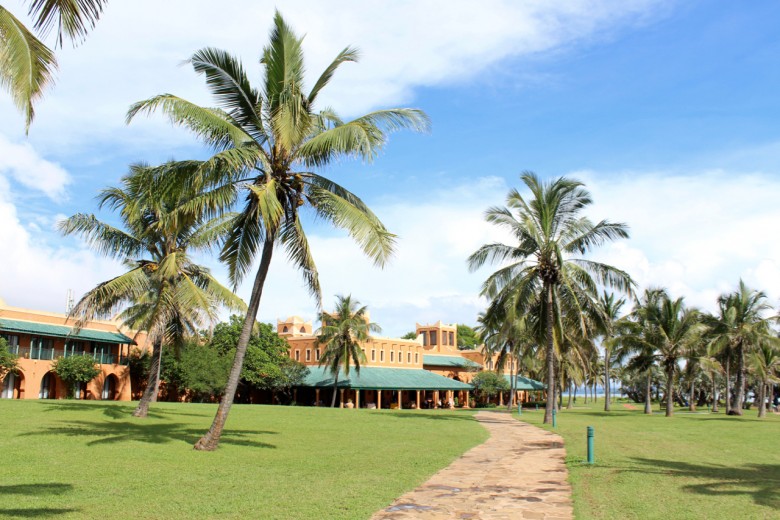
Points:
(51, 354)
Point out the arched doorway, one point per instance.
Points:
(109, 388)
(48, 386)
(13, 385)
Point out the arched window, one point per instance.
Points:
(285, 329)
(303, 330)
(47, 390)
(9, 384)
(109, 388)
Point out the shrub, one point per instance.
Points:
(75, 369)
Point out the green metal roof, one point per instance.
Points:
(62, 331)
(380, 378)
(524, 383)
(449, 361)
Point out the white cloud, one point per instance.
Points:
(133, 54)
(22, 163)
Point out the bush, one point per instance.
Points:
(488, 384)
(75, 369)
(7, 360)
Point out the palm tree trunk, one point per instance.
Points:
(570, 405)
(648, 394)
(691, 402)
(210, 441)
(728, 384)
(153, 385)
(513, 386)
(714, 393)
(670, 392)
(761, 399)
(740, 400)
(548, 409)
(607, 396)
(335, 389)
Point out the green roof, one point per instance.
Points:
(62, 331)
(524, 383)
(380, 378)
(449, 361)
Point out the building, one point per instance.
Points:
(426, 372)
(39, 337)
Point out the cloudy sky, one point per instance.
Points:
(667, 110)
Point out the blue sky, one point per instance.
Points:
(667, 110)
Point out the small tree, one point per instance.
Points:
(75, 369)
(8, 359)
(203, 371)
(410, 335)
(468, 339)
(488, 384)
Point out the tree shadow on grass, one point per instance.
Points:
(113, 410)
(154, 433)
(760, 481)
(43, 489)
(411, 414)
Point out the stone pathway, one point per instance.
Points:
(518, 473)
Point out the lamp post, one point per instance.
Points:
(591, 454)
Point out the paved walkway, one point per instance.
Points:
(518, 473)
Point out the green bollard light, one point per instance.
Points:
(591, 454)
(519, 408)
(555, 418)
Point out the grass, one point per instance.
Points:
(75, 459)
(692, 465)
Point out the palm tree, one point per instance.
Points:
(27, 65)
(267, 141)
(163, 291)
(741, 327)
(765, 364)
(549, 229)
(341, 334)
(607, 316)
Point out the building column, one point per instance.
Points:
(436, 399)
(400, 403)
(341, 400)
(501, 399)
(317, 397)
(418, 399)
(378, 399)
(357, 398)
(468, 398)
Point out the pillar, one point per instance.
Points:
(317, 397)
(378, 399)
(357, 398)
(501, 399)
(436, 399)
(418, 399)
(468, 398)
(400, 404)
(341, 399)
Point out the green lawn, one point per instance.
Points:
(688, 466)
(70, 459)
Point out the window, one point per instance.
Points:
(303, 330)
(416, 358)
(297, 355)
(382, 355)
(13, 342)
(452, 338)
(392, 356)
(285, 329)
(400, 357)
(308, 354)
(41, 348)
(433, 338)
(317, 354)
(409, 357)
(425, 338)
(373, 354)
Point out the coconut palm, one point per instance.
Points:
(267, 142)
(764, 362)
(741, 326)
(162, 291)
(27, 65)
(341, 334)
(607, 316)
(549, 230)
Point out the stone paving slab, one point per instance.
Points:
(518, 473)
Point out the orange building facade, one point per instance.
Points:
(38, 338)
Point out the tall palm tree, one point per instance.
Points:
(607, 316)
(342, 333)
(741, 326)
(163, 291)
(267, 143)
(549, 230)
(27, 65)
